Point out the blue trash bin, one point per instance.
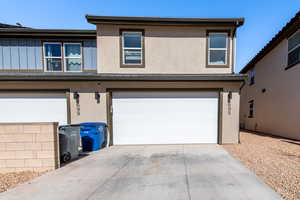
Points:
(93, 135)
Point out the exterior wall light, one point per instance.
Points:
(76, 97)
(97, 97)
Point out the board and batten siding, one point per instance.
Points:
(27, 54)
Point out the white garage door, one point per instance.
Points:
(33, 108)
(165, 117)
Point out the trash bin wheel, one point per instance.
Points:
(66, 157)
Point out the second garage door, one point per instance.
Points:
(33, 107)
(165, 117)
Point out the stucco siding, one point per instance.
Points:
(168, 49)
(89, 110)
(277, 110)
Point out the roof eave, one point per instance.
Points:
(165, 21)
(47, 33)
(17, 76)
(285, 32)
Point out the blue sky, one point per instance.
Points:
(263, 19)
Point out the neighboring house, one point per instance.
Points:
(11, 26)
(157, 80)
(270, 101)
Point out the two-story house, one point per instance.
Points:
(154, 81)
(271, 98)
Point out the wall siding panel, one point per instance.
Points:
(23, 55)
(27, 54)
(15, 58)
(6, 55)
(1, 55)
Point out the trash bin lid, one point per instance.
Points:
(93, 124)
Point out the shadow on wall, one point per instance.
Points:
(284, 139)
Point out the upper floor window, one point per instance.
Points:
(59, 56)
(132, 48)
(251, 76)
(251, 109)
(294, 49)
(217, 48)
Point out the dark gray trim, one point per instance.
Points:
(121, 49)
(228, 48)
(83, 76)
(49, 33)
(165, 21)
(292, 26)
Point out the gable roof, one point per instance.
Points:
(93, 19)
(285, 32)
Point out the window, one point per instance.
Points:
(294, 49)
(217, 48)
(251, 109)
(60, 57)
(53, 56)
(251, 76)
(132, 48)
(72, 56)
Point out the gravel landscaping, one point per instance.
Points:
(10, 180)
(275, 160)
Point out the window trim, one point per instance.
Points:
(45, 57)
(289, 51)
(62, 43)
(227, 49)
(122, 64)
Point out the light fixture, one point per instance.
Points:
(97, 97)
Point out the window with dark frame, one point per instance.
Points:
(294, 49)
(132, 48)
(217, 49)
(62, 56)
(251, 76)
(251, 109)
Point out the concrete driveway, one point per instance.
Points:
(175, 172)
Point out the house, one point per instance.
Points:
(152, 80)
(270, 99)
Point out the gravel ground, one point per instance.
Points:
(10, 180)
(275, 160)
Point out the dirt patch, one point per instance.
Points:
(10, 180)
(275, 160)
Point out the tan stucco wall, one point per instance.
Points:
(168, 49)
(230, 116)
(91, 111)
(277, 110)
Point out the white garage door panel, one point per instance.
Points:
(33, 108)
(165, 117)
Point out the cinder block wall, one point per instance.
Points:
(28, 146)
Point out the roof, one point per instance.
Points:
(165, 21)
(10, 26)
(85, 76)
(32, 32)
(285, 32)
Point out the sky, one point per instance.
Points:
(263, 19)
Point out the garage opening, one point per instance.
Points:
(33, 107)
(165, 117)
